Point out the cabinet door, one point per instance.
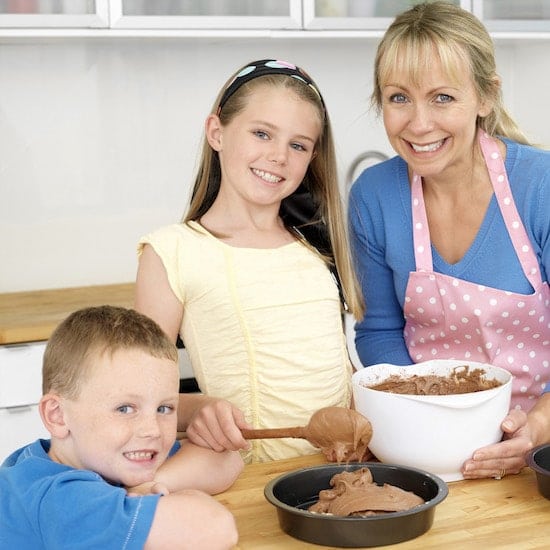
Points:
(357, 14)
(54, 13)
(206, 14)
(513, 15)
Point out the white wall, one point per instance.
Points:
(99, 138)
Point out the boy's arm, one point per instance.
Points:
(194, 467)
(189, 520)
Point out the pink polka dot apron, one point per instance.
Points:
(450, 318)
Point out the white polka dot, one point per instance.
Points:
(500, 178)
(420, 309)
(521, 345)
(525, 248)
(420, 249)
(419, 290)
(489, 345)
(532, 354)
(523, 389)
(468, 336)
(510, 337)
(442, 291)
(453, 327)
(525, 368)
(452, 306)
(493, 302)
(515, 322)
(536, 336)
(494, 155)
(526, 329)
(465, 320)
(418, 225)
(505, 314)
(467, 355)
(466, 297)
(510, 359)
(455, 282)
(507, 201)
(477, 312)
(446, 346)
(415, 202)
(531, 313)
(515, 224)
(432, 300)
(521, 304)
(434, 351)
(537, 377)
(481, 288)
(407, 298)
(432, 337)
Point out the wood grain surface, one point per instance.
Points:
(32, 316)
(504, 514)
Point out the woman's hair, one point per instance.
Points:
(89, 333)
(455, 36)
(320, 182)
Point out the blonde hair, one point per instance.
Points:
(456, 36)
(91, 332)
(321, 178)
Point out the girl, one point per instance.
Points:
(255, 276)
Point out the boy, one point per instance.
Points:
(113, 475)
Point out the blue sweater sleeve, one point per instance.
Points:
(379, 336)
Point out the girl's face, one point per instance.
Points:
(432, 124)
(122, 425)
(266, 149)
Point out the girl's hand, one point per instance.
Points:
(505, 457)
(217, 425)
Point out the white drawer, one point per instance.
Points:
(19, 426)
(21, 374)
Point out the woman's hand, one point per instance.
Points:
(217, 425)
(522, 432)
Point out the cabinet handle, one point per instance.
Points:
(19, 409)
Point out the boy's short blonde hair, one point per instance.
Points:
(91, 332)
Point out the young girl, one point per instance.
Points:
(255, 277)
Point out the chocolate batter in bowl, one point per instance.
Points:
(436, 433)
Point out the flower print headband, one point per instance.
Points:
(266, 67)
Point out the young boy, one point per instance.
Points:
(113, 475)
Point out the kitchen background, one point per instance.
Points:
(100, 129)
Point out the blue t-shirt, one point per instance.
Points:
(47, 505)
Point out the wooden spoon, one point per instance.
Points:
(342, 434)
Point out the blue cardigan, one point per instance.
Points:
(381, 238)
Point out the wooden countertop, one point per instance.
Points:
(32, 316)
(507, 513)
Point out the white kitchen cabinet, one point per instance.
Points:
(253, 18)
(513, 16)
(357, 14)
(20, 392)
(54, 14)
(206, 14)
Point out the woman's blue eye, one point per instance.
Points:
(398, 98)
(125, 409)
(261, 134)
(444, 98)
(165, 409)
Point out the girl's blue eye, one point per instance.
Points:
(125, 409)
(165, 409)
(298, 147)
(261, 134)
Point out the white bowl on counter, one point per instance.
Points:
(436, 433)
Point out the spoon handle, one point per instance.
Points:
(271, 433)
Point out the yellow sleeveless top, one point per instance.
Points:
(263, 329)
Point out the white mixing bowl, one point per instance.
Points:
(436, 433)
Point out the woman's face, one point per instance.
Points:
(431, 124)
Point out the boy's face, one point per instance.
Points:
(123, 423)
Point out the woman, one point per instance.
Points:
(452, 236)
